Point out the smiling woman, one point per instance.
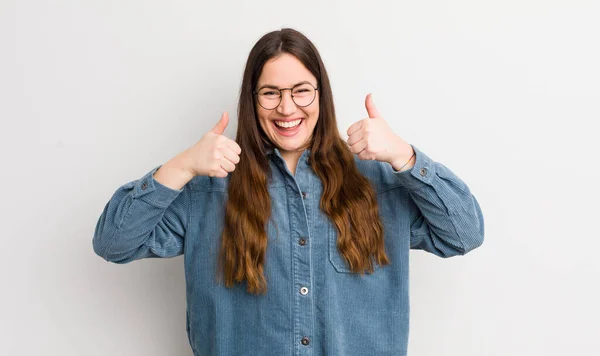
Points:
(278, 61)
(295, 241)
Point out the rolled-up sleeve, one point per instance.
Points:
(142, 219)
(448, 220)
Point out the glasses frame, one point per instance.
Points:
(291, 94)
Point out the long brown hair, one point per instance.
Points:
(348, 198)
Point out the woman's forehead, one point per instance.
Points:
(284, 71)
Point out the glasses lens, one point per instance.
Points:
(303, 94)
(269, 98)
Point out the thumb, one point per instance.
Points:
(222, 124)
(371, 109)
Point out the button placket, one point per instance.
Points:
(301, 214)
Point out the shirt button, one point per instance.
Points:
(305, 341)
(144, 186)
(423, 172)
(302, 242)
(304, 195)
(304, 291)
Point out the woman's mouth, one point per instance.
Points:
(288, 128)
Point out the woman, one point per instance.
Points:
(294, 241)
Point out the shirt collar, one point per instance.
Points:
(274, 152)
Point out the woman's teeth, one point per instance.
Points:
(288, 124)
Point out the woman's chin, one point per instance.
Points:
(287, 146)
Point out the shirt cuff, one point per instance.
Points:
(421, 174)
(151, 191)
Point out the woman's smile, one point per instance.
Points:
(289, 127)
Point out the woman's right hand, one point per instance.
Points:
(214, 155)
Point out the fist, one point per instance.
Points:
(372, 138)
(214, 155)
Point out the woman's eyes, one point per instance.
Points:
(277, 93)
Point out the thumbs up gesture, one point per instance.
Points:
(214, 155)
(372, 139)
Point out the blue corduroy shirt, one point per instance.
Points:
(314, 304)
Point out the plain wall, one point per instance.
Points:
(96, 93)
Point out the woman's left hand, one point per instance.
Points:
(372, 139)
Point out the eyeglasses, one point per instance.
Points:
(303, 94)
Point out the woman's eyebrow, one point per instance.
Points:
(270, 86)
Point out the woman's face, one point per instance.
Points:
(285, 71)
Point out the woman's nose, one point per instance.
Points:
(287, 105)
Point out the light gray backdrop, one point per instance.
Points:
(96, 93)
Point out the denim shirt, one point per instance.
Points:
(314, 304)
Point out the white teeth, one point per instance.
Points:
(288, 124)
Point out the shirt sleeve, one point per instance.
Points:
(449, 220)
(143, 219)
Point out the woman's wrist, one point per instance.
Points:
(408, 165)
(402, 164)
(174, 174)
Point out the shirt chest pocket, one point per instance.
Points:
(335, 257)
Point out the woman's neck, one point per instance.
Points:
(291, 159)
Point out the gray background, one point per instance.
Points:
(94, 94)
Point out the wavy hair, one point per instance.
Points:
(348, 198)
